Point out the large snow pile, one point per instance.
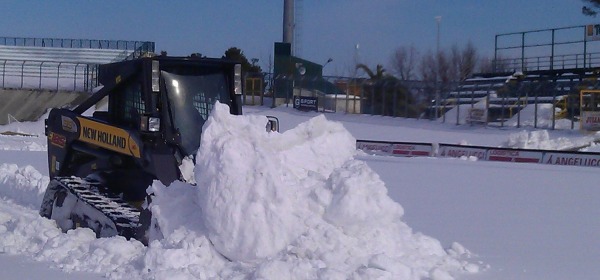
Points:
(294, 205)
(539, 115)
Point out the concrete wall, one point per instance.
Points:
(29, 105)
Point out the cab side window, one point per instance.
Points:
(128, 105)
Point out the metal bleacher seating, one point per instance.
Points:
(505, 95)
(67, 55)
(60, 64)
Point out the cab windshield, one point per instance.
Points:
(191, 99)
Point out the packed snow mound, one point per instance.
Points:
(24, 185)
(295, 205)
(540, 139)
(540, 116)
(24, 136)
(19, 142)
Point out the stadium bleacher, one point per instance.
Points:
(67, 55)
(60, 64)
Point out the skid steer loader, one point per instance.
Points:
(100, 166)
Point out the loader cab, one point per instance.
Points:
(171, 98)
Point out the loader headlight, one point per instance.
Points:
(149, 124)
(154, 124)
(237, 79)
(155, 76)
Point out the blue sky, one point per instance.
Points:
(329, 28)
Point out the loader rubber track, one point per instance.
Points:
(126, 218)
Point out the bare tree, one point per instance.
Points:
(444, 69)
(467, 62)
(428, 68)
(455, 62)
(502, 64)
(485, 65)
(404, 62)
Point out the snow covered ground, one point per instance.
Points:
(304, 205)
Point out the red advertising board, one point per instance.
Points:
(513, 155)
(411, 149)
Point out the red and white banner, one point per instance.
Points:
(408, 149)
(590, 120)
(379, 148)
(412, 150)
(513, 155)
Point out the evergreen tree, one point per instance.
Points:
(385, 95)
(238, 55)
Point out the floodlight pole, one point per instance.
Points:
(438, 19)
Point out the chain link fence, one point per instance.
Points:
(339, 94)
(495, 102)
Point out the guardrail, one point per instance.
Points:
(48, 75)
(414, 149)
(61, 64)
(548, 62)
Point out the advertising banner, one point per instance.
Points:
(590, 120)
(373, 147)
(412, 149)
(574, 159)
(306, 103)
(477, 115)
(457, 151)
(513, 155)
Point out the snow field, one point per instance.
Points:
(295, 205)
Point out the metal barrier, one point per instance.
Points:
(48, 75)
(61, 64)
(556, 62)
(344, 94)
